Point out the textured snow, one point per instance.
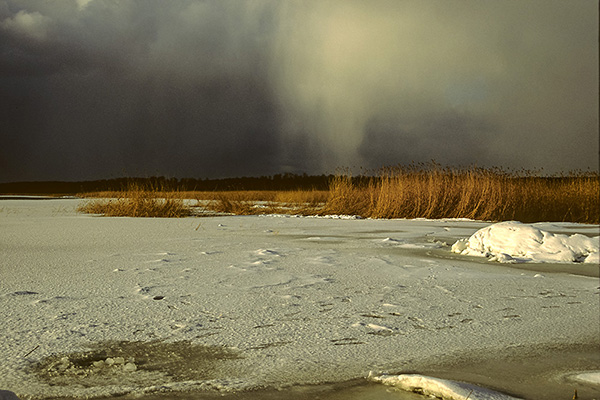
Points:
(512, 241)
(301, 300)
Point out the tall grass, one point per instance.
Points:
(304, 202)
(431, 191)
(137, 201)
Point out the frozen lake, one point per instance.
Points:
(240, 303)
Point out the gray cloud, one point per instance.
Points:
(525, 70)
(96, 88)
(442, 138)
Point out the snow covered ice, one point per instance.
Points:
(252, 302)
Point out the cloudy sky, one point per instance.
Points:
(93, 89)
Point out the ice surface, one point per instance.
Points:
(513, 241)
(381, 295)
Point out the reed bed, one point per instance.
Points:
(416, 191)
(430, 191)
(137, 201)
(300, 202)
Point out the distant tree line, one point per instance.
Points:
(285, 181)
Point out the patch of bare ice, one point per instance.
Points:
(8, 395)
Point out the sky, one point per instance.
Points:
(98, 89)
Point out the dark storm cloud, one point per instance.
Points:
(99, 88)
(174, 88)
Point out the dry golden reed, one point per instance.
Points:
(137, 201)
(302, 202)
(416, 191)
(430, 191)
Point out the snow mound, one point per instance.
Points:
(439, 388)
(589, 378)
(512, 242)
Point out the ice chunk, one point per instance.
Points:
(129, 367)
(460, 245)
(119, 360)
(593, 258)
